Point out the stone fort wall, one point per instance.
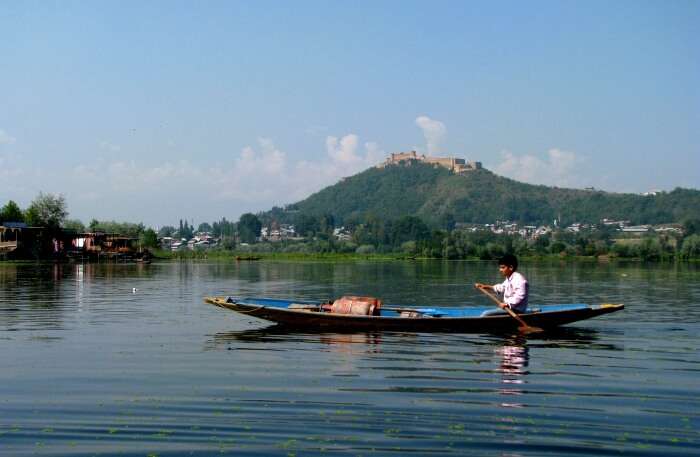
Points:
(453, 164)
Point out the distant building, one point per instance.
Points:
(619, 224)
(676, 229)
(637, 229)
(342, 234)
(18, 241)
(166, 242)
(454, 164)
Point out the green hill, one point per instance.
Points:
(435, 195)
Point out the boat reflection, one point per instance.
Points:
(350, 342)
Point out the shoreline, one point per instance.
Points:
(233, 256)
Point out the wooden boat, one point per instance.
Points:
(311, 315)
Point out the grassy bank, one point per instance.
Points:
(247, 256)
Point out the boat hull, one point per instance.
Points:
(304, 315)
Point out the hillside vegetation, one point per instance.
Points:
(436, 195)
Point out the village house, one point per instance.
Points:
(278, 232)
(342, 234)
(637, 229)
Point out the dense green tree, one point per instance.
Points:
(306, 225)
(228, 243)
(47, 210)
(409, 228)
(541, 243)
(166, 230)
(120, 228)
(11, 213)
(224, 228)
(149, 238)
(650, 249)
(185, 231)
(74, 224)
(691, 226)
(447, 221)
(249, 228)
(622, 250)
(366, 249)
(691, 247)
(205, 227)
(326, 223)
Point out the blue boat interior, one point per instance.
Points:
(462, 311)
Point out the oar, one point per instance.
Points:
(524, 328)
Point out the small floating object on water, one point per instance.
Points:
(133, 291)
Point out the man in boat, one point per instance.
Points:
(514, 288)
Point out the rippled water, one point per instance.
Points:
(127, 360)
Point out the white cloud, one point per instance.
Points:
(6, 138)
(253, 179)
(433, 131)
(345, 159)
(558, 168)
(343, 150)
(269, 161)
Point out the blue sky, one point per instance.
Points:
(155, 111)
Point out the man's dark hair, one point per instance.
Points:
(509, 260)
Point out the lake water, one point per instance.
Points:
(125, 359)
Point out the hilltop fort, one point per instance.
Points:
(455, 165)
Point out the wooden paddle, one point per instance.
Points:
(524, 328)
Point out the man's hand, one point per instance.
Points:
(479, 285)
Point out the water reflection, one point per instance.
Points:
(514, 357)
(158, 371)
(576, 337)
(351, 342)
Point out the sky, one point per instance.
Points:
(152, 112)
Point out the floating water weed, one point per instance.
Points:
(290, 443)
(456, 428)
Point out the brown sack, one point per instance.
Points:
(362, 306)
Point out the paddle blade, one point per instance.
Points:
(526, 330)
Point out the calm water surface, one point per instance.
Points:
(127, 360)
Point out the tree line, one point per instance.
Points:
(369, 234)
(411, 236)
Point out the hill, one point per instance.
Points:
(435, 195)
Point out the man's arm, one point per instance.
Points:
(479, 285)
